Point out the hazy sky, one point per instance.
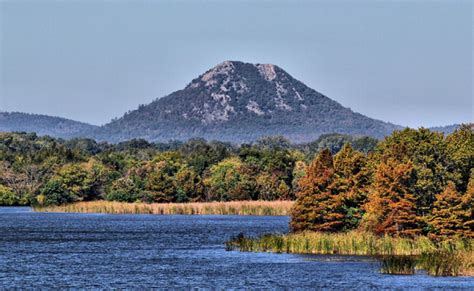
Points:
(405, 62)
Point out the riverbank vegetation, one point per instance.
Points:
(398, 255)
(412, 196)
(412, 192)
(272, 208)
(45, 171)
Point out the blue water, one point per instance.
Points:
(56, 250)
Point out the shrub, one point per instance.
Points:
(7, 197)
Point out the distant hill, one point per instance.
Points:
(447, 129)
(238, 102)
(234, 101)
(44, 125)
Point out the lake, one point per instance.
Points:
(57, 250)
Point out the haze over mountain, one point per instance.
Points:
(234, 101)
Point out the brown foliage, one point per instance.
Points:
(452, 213)
(317, 208)
(391, 209)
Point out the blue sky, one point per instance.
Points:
(407, 62)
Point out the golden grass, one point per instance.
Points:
(445, 263)
(447, 258)
(344, 243)
(273, 208)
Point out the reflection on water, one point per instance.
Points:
(125, 251)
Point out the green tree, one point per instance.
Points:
(226, 181)
(189, 185)
(124, 189)
(160, 182)
(426, 152)
(7, 197)
(55, 193)
(352, 178)
(460, 152)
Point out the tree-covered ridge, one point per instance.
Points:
(44, 125)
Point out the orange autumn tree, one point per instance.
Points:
(452, 212)
(467, 204)
(391, 208)
(449, 213)
(316, 207)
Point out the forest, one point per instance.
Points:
(413, 182)
(45, 171)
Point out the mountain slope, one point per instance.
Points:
(240, 102)
(44, 125)
(446, 129)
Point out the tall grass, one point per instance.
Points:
(274, 208)
(349, 243)
(398, 265)
(446, 263)
(397, 255)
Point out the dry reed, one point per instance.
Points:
(272, 208)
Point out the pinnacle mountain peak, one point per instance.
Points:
(233, 101)
(238, 101)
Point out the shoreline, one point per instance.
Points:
(258, 208)
(454, 257)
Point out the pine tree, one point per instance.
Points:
(316, 207)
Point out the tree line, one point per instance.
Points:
(415, 182)
(412, 182)
(46, 171)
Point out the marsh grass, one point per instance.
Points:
(445, 263)
(397, 255)
(350, 243)
(272, 208)
(398, 265)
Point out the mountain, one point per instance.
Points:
(44, 125)
(446, 129)
(239, 102)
